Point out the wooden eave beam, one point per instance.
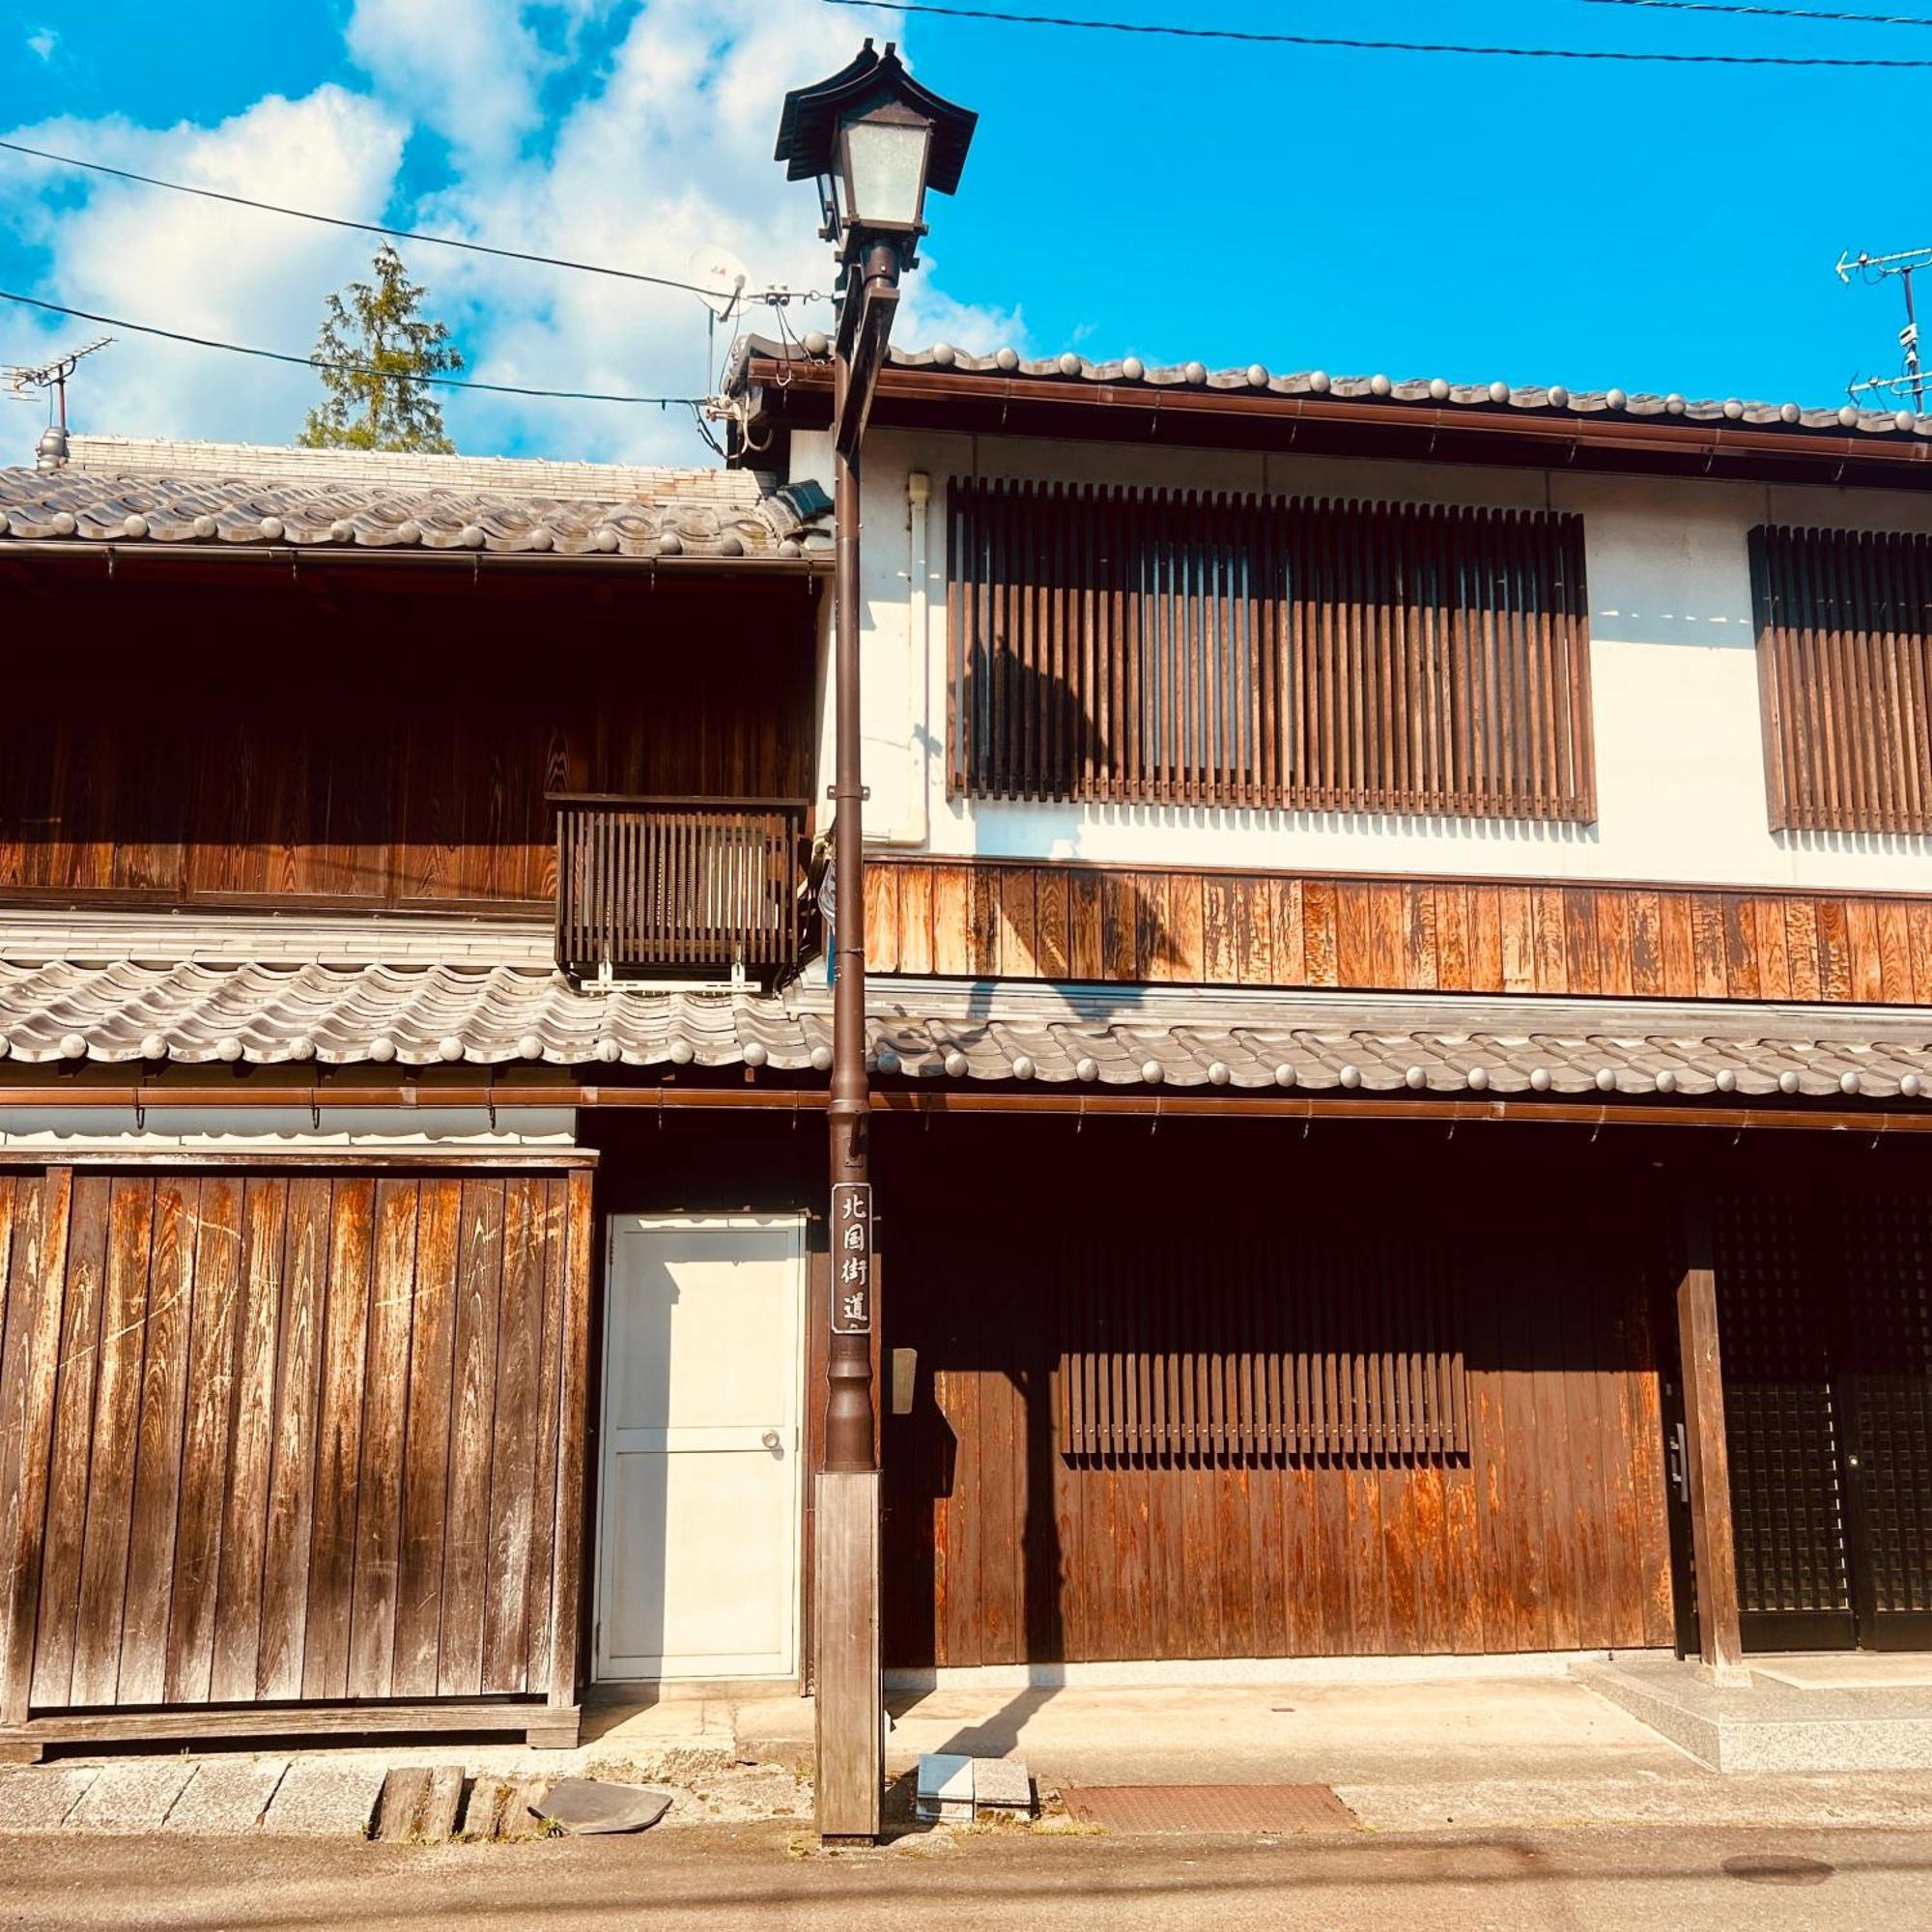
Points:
(922, 1101)
(118, 554)
(961, 402)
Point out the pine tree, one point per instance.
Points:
(379, 326)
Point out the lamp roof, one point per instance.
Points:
(808, 127)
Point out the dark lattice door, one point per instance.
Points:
(1887, 1247)
(1783, 1427)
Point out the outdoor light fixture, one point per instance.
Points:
(875, 140)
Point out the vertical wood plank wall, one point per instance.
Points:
(1552, 1534)
(287, 1437)
(981, 919)
(282, 781)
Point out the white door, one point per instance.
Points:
(698, 1510)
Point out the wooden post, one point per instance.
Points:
(847, 1693)
(1709, 1464)
(33, 1286)
(558, 1727)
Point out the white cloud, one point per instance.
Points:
(665, 149)
(470, 70)
(43, 41)
(670, 152)
(201, 267)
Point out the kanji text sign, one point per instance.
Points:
(852, 1258)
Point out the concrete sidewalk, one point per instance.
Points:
(1529, 1749)
(1525, 1750)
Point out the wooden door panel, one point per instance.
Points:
(1887, 1249)
(1782, 1424)
(271, 1388)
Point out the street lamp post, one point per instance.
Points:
(875, 140)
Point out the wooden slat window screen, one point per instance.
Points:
(1181, 649)
(1844, 628)
(663, 884)
(1278, 1345)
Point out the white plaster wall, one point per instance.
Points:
(1680, 769)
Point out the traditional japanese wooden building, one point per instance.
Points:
(1401, 924)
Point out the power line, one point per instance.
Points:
(1771, 12)
(1256, 37)
(364, 227)
(346, 368)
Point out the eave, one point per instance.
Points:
(966, 401)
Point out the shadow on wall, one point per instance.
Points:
(1519, 1286)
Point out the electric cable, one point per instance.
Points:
(365, 227)
(1258, 37)
(1771, 12)
(347, 368)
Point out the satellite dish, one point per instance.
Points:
(719, 276)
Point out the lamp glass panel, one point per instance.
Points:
(886, 164)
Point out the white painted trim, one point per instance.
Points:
(1259, 1670)
(726, 1668)
(265, 1129)
(301, 937)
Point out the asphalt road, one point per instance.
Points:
(766, 1877)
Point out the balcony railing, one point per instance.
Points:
(678, 887)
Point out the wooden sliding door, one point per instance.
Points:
(289, 1437)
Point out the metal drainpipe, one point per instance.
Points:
(911, 827)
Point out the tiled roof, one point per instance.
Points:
(1430, 392)
(124, 492)
(427, 1014)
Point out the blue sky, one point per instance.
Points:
(1535, 221)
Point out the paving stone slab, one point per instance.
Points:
(524, 1814)
(501, 1808)
(227, 1795)
(483, 1810)
(320, 1800)
(440, 1804)
(40, 1797)
(944, 1785)
(133, 1795)
(1000, 1784)
(585, 1806)
(405, 1791)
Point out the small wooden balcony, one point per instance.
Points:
(679, 888)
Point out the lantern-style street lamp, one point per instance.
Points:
(875, 140)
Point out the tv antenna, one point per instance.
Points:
(20, 378)
(1874, 269)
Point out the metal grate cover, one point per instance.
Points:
(1153, 1808)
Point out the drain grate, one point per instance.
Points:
(1778, 1868)
(1151, 1808)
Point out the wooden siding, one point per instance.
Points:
(248, 747)
(981, 919)
(1844, 623)
(289, 1438)
(1552, 1534)
(1267, 1344)
(1158, 647)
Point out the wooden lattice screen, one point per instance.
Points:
(1273, 1346)
(1844, 627)
(1171, 647)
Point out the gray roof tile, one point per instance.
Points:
(426, 1014)
(1435, 392)
(232, 495)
